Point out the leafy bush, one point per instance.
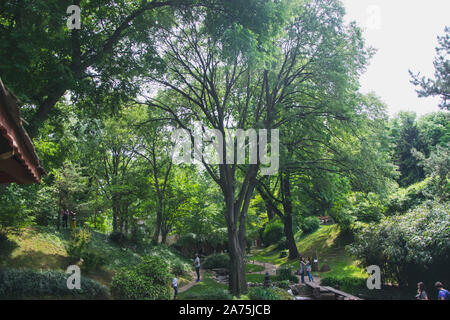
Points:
(209, 294)
(79, 243)
(220, 260)
(310, 224)
(155, 268)
(347, 284)
(176, 262)
(178, 268)
(285, 273)
(367, 207)
(259, 293)
(406, 199)
(273, 232)
(408, 248)
(17, 284)
(149, 280)
(282, 284)
(13, 212)
(93, 259)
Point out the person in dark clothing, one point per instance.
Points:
(65, 218)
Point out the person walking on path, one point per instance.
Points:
(175, 287)
(308, 269)
(302, 269)
(197, 266)
(443, 293)
(421, 293)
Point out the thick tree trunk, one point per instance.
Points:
(270, 212)
(237, 282)
(157, 227)
(164, 236)
(292, 246)
(115, 212)
(287, 217)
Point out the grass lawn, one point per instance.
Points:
(206, 283)
(249, 268)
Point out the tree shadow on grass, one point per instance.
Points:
(37, 260)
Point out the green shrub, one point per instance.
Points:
(283, 294)
(209, 294)
(258, 293)
(16, 284)
(310, 224)
(149, 280)
(408, 198)
(285, 273)
(93, 260)
(79, 243)
(130, 285)
(284, 284)
(273, 232)
(220, 260)
(408, 248)
(178, 268)
(346, 284)
(155, 268)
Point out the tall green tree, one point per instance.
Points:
(440, 85)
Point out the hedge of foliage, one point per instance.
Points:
(346, 284)
(310, 224)
(79, 247)
(408, 248)
(220, 260)
(20, 284)
(406, 199)
(149, 280)
(286, 273)
(273, 233)
(259, 293)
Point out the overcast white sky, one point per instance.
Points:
(405, 34)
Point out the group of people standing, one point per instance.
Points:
(68, 216)
(306, 267)
(443, 294)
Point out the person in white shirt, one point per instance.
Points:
(175, 286)
(197, 266)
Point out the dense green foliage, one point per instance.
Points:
(273, 233)
(48, 284)
(310, 224)
(286, 273)
(259, 293)
(408, 248)
(346, 284)
(149, 280)
(103, 103)
(220, 260)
